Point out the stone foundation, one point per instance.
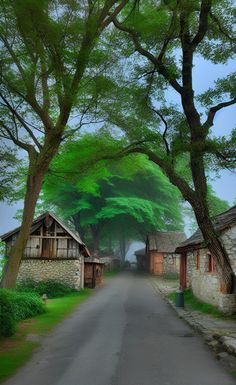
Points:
(69, 272)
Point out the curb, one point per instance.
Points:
(223, 346)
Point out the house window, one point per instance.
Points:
(210, 263)
(198, 260)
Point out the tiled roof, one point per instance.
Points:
(221, 222)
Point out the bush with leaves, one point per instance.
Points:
(52, 288)
(7, 319)
(17, 306)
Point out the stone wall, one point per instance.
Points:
(171, 263)
(228, 239)
(206, 285)
(69, 272)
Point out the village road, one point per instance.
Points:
(126, 334)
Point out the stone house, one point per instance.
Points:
(53, 251)
(159, 257)
(197, 267)
(160, 249)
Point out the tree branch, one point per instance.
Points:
(117, 10)
(203, 23)
(187, 192)
(165, 131)
(158, 64)
(21, 120)
(221, 28)
(213, 110)
(25, 146)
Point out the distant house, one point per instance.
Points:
(110, 262)
(160, 248)
(197, 267)
(159, 256)
(53, 251)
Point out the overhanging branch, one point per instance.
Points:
(213, 110)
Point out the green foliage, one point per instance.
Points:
(2, 256)
(26, 305)
(14, 307)
(7, 318)
(8, 174)
(21, 348)
(89, 185)
(215, 204)
(197, 305)
(52, 288)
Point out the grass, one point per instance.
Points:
(16, 350)
(233, 374)
(195, 304)
(171, 276)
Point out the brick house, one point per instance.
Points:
(197, 267)
(52, 251)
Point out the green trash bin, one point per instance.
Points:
(179, 298)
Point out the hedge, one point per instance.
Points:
(16, 306)
(52, 288)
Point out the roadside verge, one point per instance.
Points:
(219, 333)
(16, 350)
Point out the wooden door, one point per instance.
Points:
(158, 264)
(48, 248)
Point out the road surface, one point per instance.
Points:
(125, 334)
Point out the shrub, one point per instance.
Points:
(7, 319)
(52, 288)
(26, 305)
(16, 306)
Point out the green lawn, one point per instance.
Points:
(16, 350)
(195, 304)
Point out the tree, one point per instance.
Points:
(215, 204)
(46, 48)
(166, 38)
(116, 200)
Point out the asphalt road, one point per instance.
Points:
(126, 334)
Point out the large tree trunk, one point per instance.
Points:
(198, 200)
(38, 166)
(34, 183)
(215, 247)
(95, 230)
(200, 207)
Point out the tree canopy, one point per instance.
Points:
(113, 199)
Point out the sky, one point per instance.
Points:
(205, 73)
